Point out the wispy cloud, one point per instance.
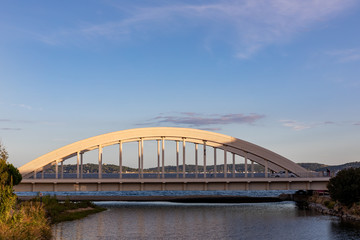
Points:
(16, 121)
(198, 120)
(298, 126)
(60, 140)
(345, 55)
(23, 106)
(251, 24)
(10, 129)
(30, 121)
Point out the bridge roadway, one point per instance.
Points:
(171, 184)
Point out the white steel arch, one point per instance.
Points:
(250, 151)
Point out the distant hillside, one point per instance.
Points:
(333, 168)
(312, 166)
(111, 168)
(340, 167)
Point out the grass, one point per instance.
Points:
(28, 221)
(32, 219)
(329, 204)
(75, 215)
(58, 211)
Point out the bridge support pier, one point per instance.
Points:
(233, 165)
(139, 159)
(163, 157)
(56, 169)
(246, 165)
(252, 169)
(78, 165)
(205, 171)
(120, 159)
(184, 152)
(158, 158)
(100, 162)
(196, 161)
(266, 170)
(142, 158)
(215, 170)
(225, 163)
(62, 170)
(177, 159)
(81, 165)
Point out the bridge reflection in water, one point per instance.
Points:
(208, 176)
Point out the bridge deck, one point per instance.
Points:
(155, 184)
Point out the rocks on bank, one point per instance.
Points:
(325, 205)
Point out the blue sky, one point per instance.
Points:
(280, 74)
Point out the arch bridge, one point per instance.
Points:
(213, 173)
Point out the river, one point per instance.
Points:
(163, 220)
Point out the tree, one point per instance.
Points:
(9, 174)
(7, 196)
(18, 221)
(345, 186)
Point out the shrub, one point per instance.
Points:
(18, 221)
(329, 204)
(345, 187)
(28, 221)
(14, 173)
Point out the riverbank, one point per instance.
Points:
(325, 205)
(65, 210)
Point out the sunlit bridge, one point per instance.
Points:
(165, 158)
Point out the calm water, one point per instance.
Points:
(160, 220)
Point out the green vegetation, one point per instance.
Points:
(58, 211)
(112, 168)
(329, 204)
(323, 167)
(26, 221)
(32, 219)
(18, 221)
(345, 186)
(92, 168)
(313, 166)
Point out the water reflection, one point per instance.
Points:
(204, 221)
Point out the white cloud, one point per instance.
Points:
(295, 125)
(346, 55)
(298, 126)
(247, 25)
(23, 106)
(10, 129)
(252, 23)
